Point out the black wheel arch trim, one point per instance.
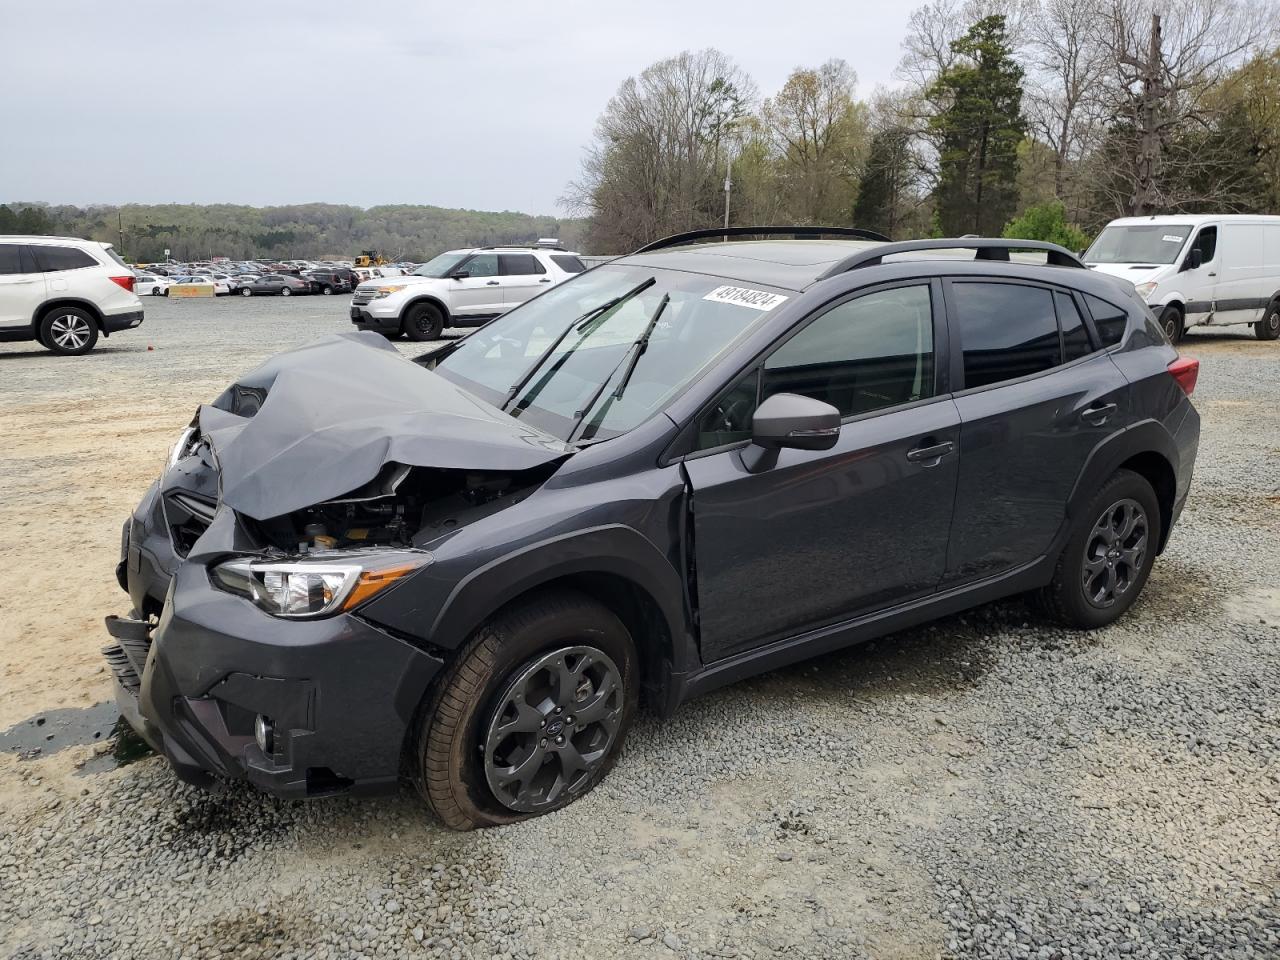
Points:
(43, 310)
(426, 298)
(446, 620)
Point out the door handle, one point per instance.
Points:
(931, 454)
(1213, 273)
(492, 283)
(545, 280)
(1098, 413)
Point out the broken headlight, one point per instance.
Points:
(314, 588)
(181, 448)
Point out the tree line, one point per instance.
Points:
(305, 231)
(1040, 119)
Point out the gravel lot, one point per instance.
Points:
(989, 786)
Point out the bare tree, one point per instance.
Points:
(656, 161)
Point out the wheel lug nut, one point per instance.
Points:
(542, 723)
(560, 739)
(542, 742)
(559, 710)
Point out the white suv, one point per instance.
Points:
(460, 288)
(63, 292)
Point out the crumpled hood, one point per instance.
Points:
(337, 410)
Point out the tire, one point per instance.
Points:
(1088, 597)
(286, 292)
(424, 321)
(326, 290)
(459, 752)
(165, 292)
(1172, 323)
(1268, 328)
(246, 292)
(157, 292)
(69, 331)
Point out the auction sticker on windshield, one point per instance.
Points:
(745, 297)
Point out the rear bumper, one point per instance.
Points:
(121, 321)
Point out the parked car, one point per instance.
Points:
(684, 467)
(273, 284)
(1192, 270)
(327, 282)
(220, 287)
(460, 288)
(151, 284)
(63, 292)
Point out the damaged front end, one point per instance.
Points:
(317, 482)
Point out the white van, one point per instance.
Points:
(1194, 270)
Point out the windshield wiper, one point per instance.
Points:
(583, 325)
(630, 358)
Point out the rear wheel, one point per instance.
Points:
(530, 716)
(1109, 556)
(424, 321)
(326, 290)
(246, 292)
(69, 331)
(1172, 323)
(1268, 328)
(286, 292)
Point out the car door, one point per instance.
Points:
(1198, 283)
(822, 536)
(479, 292)
(1243, 284)
(22, 288)
(523, 276)
(1036, 398)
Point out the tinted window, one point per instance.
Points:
(872, 352)
(1006, 331)
(1207, 243)
(728, 420)
(10, 258)
(520, 264)
(482, 265)
(62, 258)
(1075, 338)
(1108, 319)
(568, 264)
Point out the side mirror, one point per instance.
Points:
(1194, 259)
(459, 275)
(790, 421)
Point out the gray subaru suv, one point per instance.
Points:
(721, 454)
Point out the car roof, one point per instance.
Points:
(31, 238)
(1194, 219)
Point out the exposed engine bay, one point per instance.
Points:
(402, 507)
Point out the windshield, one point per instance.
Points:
(439, 266)
(585, 373)
(1144, 243)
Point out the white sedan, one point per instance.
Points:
(151, 284)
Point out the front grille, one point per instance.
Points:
(361, 297)
(122, 667)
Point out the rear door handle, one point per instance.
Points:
(931, 454)
(545, 280)
(1098, 414)
(492, 283)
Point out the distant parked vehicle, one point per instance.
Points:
(151, 285)
(63, 292)
(220, 287)
(327, 282)
(1193, 270)
(275, 284)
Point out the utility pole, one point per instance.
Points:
(728, 186)
(1150, 72)
(120, 230)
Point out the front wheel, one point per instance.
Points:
(246, 292)
(286, 292)
(69, 331)
(424, 321)
(1172, 324)
(530, 715)
(1109, 556)
(326, 290)
(1268, 328)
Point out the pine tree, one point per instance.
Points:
(978, 132)
(885, 182)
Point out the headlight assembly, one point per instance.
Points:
(388, 291)
(299, 589)
(1146, 289)
(180, 449)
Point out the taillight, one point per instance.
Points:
(1184, 371)
(126, 282)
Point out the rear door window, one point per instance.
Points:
(10, 258)
(1075, 337)
(49, 259)
(519, 265)
(1006, 331)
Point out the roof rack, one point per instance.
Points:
(799, 233)
(985, 248)
(522, 246)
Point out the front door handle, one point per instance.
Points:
(1098, 414)
(931, 454)
(1213, 273)
(545, 280)
(492, 283)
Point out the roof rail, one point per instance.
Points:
(985, 248)
(523, 246)
(800, 233)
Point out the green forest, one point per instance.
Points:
(305, 231)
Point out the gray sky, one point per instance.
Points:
(483, 105)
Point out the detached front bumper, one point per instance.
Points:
(338, 693)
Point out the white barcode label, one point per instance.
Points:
(745, 297)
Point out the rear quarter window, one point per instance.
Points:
(1109, 320)
(49, 259)
(567, 263)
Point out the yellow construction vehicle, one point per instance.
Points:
(370, 258)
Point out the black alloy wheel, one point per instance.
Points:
(1115, 554)
(552, 728)
(1268, 328)
(1171, 322)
